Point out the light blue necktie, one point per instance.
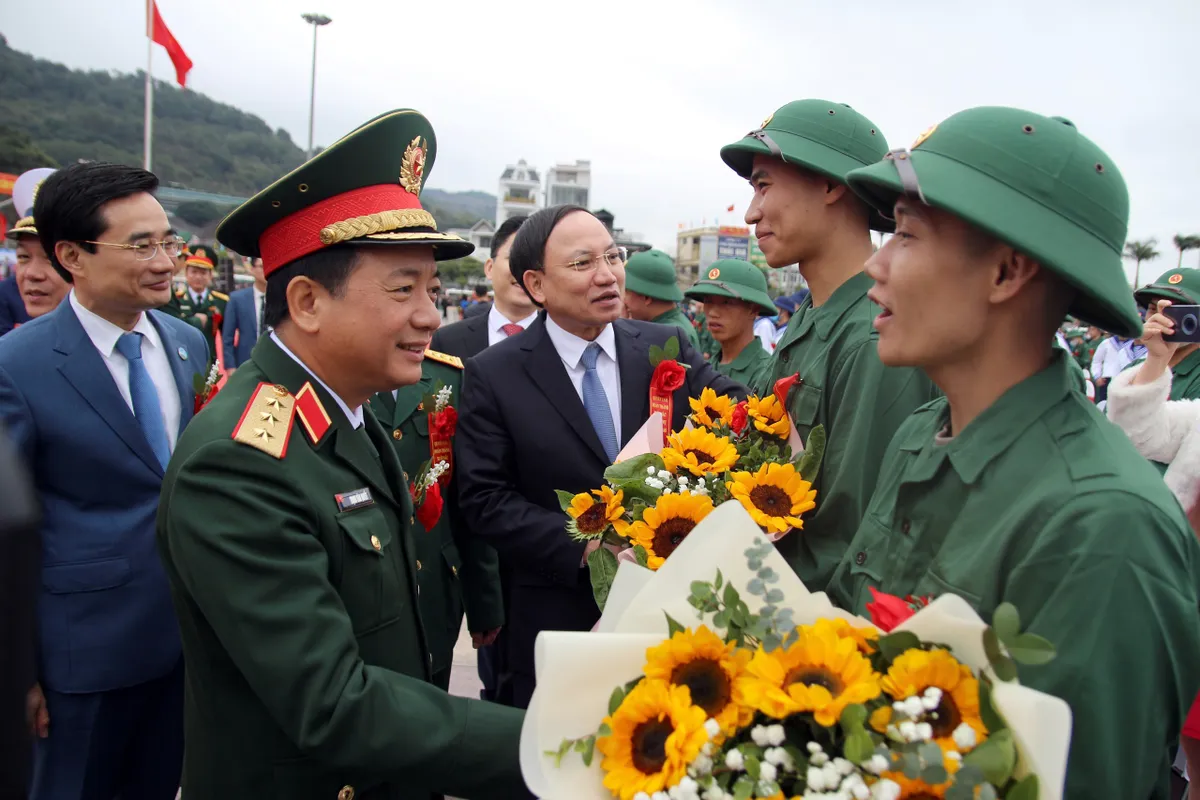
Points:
(145, 397)
(595, 401)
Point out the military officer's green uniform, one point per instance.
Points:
(286, 530)
(739, 280)
(1181, 287)
(457, 572)
(1039, 501)
(211, 304)
(842, 385)
(652, 273)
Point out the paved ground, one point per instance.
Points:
(464, 677)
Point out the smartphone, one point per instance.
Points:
(1187, 323)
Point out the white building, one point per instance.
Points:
(569, 184)
(518, 194)
(480, 234)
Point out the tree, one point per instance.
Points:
(200, 212)
(462, 271)
(18, 153)
(1139, 252)
(1183, 243)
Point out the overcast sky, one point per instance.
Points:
(649, 90)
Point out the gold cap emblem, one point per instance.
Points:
(767, 121)
(714, 273)
(412, 166)
(921, 139)
(1176, 278)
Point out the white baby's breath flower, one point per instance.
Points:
(815, 779)
(759, 734)
(776, 735)
(914, 707)
(885, 790)
(813, 747)
(932, 698)
(664, 475)
(713, 727)
(908, 730)
(649, 470)
(954, 755)
(734, 760)
(924, 731)
(964, 737)
(766, 772)
(877, 764)
(641, 796)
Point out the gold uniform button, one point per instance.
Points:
(375, 543)
(454, 571)
(397, 434)
(347, 793)
(418, 565)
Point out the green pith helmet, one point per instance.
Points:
(652, 273)
(828, 138)
(1033, 182)
(363, 190)
(732, 277)
(1180, 286)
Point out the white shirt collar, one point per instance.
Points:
(497, 321)
(104, 334)
(570, 347)
(355, 417)
(257, 293)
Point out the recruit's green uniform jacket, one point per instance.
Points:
(749, 368)
(212, 300)
(455, 571)
(1043, 503)
(296, 592)
(861, 403)
(680, 320)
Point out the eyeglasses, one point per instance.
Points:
(144, 251)
(614, 257)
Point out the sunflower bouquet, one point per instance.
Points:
(651, 501)
(770, 692)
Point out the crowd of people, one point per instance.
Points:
(265, 516)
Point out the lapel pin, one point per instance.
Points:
(182, 352)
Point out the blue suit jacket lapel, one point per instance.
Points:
(179, 368)
(84, 368)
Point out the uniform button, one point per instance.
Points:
(347, 793)
(905, 526)
(412, 520)
(454, 571)
(861, 558)
(376, 543)
(397, 434)
(418, 565)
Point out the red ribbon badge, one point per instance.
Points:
(442, 425)
(668, 376)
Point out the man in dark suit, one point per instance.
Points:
(511, 314)
(95, 395)
(479, 305)
(244, 318)
(12, 308)
(549, 409)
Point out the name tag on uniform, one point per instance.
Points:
(359, 498)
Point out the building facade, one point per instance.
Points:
(519, 192)
(569, 184)
(480, 234)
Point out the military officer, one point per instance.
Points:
(651, 294)
(1180, 287)
(200, 304)
(286, 522)
(457, 573)
(174, 305)
(1014, 488)
(734, 294)
(803, 213)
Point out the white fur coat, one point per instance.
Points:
(1162, 430)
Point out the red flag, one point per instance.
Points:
(729, 209)
(161, 34)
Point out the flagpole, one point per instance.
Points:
(148, 127)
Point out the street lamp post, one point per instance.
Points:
(316, 20)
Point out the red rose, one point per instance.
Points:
(888, 610)
(738, 423)
(442, 423)
(204, 399)
(668, 376)
(431, 510)
(783, 386)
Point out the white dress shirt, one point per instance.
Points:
(1113, 356)
(197, 298)
(104, 336)
(258, 309)
(764, 329)
(570, 349)
(355, 416)
(497, 321)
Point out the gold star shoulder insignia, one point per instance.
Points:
(443, 358)
(266, 424)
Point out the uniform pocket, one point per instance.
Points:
(804, 405)
(86, 576)
(862, 566)
(369, 586)
(934, 586)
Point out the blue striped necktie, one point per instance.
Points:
(595, 401)
(146, 407)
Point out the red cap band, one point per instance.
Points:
(299, 234)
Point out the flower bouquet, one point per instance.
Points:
(745, 685)
(657, 492)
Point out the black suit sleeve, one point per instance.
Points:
(523, 532)
(701, 374)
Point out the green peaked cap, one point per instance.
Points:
(1180, 286)
(828, 138)
(364, 189)
(652, 273)
(737, 279)
(1033, 182)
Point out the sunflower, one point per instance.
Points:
(591, 517)
(664, 527)
(769, 415)
(711, 409)
(821, 674)
(864, 638)
(656, 733)
(775, 496)
(708, 666)
(917, 789)
(917, 670)
(699, 451)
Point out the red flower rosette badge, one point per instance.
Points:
(669, 375)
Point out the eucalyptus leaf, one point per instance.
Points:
(589, 750)
(615, 699)
(987, 792)
(934, 774)
(809, 464)
(604, 730)
(756, 587)
(730, 596)
(911, 766)
(996, 757)
(894, 645)
(992, 719)
(1002, 665)
(930, 753)
(1029, 648)
(602, 568)
(564, 499)
(774, 596)
(719, 581)
(1007, 622)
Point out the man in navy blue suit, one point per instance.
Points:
(94, 395)
(12, 308)
(244, 318)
